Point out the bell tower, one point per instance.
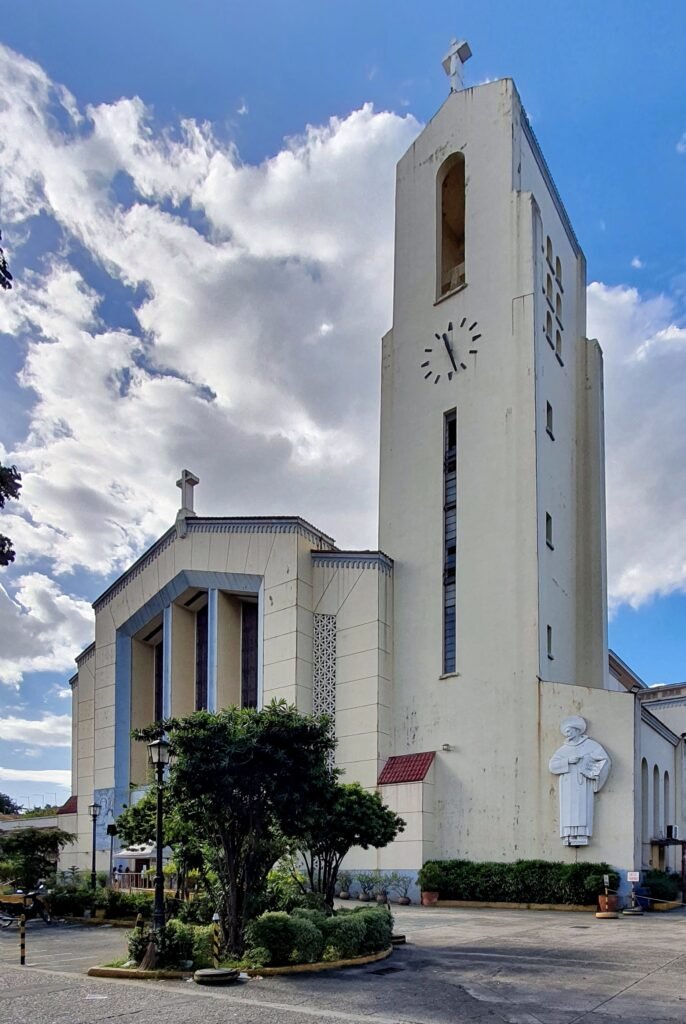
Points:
(491, 473)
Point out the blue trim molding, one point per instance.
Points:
(160, 603)
(212, 617)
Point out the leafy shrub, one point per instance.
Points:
(662, 885)
(525, 881)
(196, 911)
(344, 936)
(179, 943)
(137, 943)
(128, 904)
(317, 917)
(71, 902)
(272, 931)
(399, 884)
(308, 942)
(378, 927)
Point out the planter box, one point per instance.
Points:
(516, 906)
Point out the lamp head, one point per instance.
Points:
(94, 810)
(158, 752)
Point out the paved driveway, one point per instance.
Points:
(459, 966)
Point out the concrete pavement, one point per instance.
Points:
(460, 966)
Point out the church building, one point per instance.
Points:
(451, 658)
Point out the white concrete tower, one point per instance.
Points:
(491, 476)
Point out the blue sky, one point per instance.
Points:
(94, 173)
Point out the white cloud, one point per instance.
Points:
(637, 263)
(645, 420)
(243, 109)
(301, 241)
(681, 144)
(41, 630)
(45, 776)
(49, 731)
(251, 351)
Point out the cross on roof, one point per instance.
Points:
(186, 483)
(454, 62)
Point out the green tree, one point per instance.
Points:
(31, 853)
(137, 824)
(352, 816)
(8, 805)
(243, 779)
(41, 812)
(10, 485)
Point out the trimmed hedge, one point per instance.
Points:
(307, 936)
(525, 881)
(179, 944)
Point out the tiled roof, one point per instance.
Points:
(406, 768)
(71, 806)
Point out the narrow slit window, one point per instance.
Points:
(558, 345)
(451, 254)
(249, 655)
(549, 250)
(549, 289)
(549, 327)
(449, 542)
(549, 420)
(558, 307)
(549, 641)
(201, 621)
(558, 271)
(549, 530)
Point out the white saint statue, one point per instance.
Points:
(583, 766)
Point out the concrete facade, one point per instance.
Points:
(483, 244)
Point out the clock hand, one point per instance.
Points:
(450, 351)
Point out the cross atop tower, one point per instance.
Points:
(454, 62)
(187, 482)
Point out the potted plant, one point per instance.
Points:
(365, 879)
(430, 879)
(400, 885)
(608, 901)
(344, 880)
(380, 890)
(100, 901)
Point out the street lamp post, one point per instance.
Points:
(94, 811)
(158, 751)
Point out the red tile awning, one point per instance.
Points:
(70, 807)
(406, 768)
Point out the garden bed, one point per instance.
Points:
(128, 973)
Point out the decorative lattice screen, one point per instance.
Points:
(324, 667)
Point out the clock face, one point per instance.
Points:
(452, 351)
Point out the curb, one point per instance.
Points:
(264, 972)
(130, 972)
(477, 904)
(360, 961)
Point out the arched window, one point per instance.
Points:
(558, 344)
(558, 271)
(645, 816)
(549, 289)
(667, 803)
(549, 327)
(451, 241)
(558, 307)
(656, 802)
(549, 250)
